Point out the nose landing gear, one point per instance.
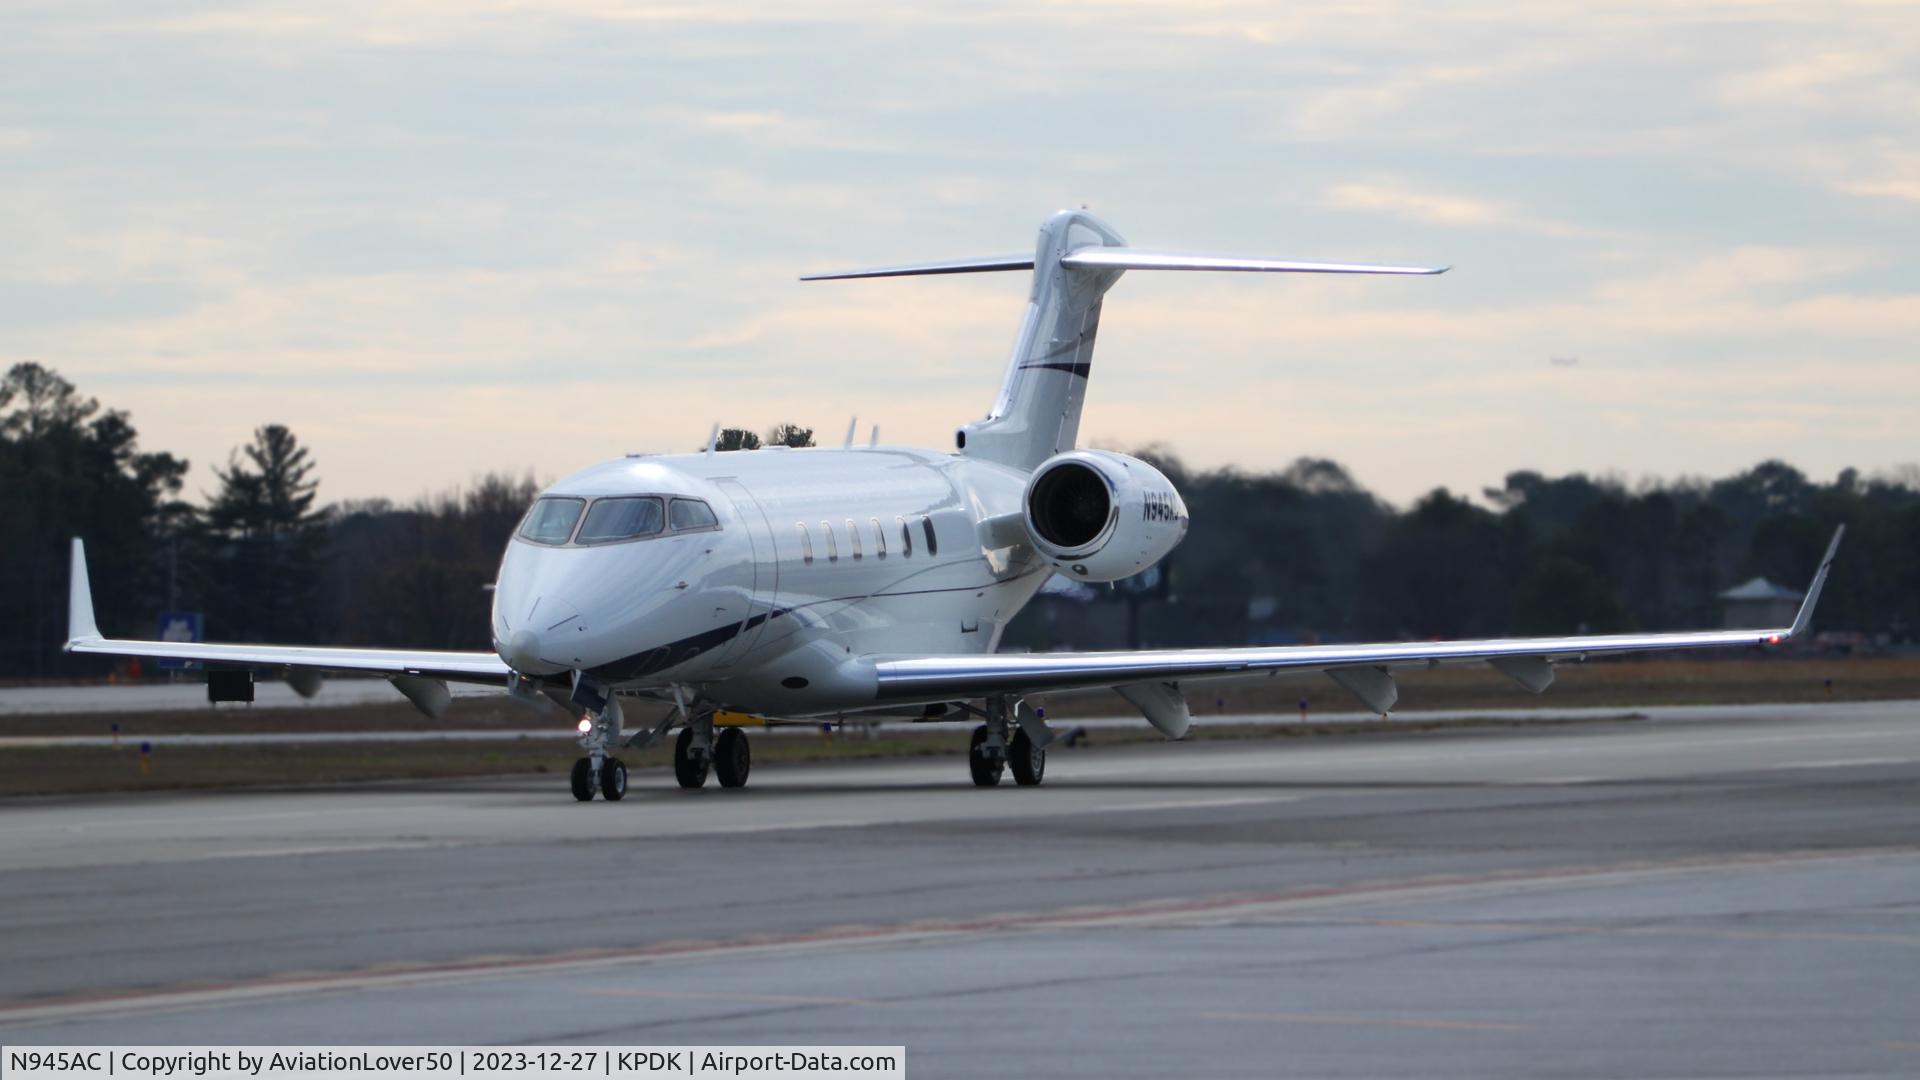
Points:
(598, 772)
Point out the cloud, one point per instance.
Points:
(1451, 211)
(438, 226)
(1800, 82)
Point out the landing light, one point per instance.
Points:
(585, 725)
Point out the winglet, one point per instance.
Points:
(1805, 617)
(80, 624)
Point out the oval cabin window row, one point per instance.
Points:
(875, 538)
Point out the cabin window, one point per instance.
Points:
(833, 547)
(806, 542)
(906, 537)
(687, 515)
(933, 542)
(622, 519)
(551, 521)
(879, 540)
(853, 538)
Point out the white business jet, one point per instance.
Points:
(804, 584)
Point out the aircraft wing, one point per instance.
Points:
(1362, 669)
(83, 636)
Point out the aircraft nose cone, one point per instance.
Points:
(536, 633)
(521, 651)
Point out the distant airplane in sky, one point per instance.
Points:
(796, 584)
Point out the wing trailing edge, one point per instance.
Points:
(83, 636)
(1522, 659)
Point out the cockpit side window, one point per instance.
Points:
(622, 519)
(551, 521)
(688, 514)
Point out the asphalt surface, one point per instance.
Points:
(1718, 892)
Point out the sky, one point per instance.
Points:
(437, 239)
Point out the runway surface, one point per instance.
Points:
(1731, 891)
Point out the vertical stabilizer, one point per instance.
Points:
(1037, 413)
(1078, 258)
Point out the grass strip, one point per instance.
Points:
(76, 770)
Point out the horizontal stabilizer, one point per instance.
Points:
(981, 265)
(1122, 258)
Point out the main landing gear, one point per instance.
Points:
(698, 751)
(992, 752)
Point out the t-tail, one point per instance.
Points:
(1078, 258)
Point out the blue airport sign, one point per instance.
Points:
(178, 626)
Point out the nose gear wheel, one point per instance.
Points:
(613, 780)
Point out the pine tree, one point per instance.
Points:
(261, 546)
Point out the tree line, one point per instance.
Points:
(1307, 554)
(1299, 554)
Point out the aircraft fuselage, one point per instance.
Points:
(817, 563)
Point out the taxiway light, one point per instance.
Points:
(585, 725)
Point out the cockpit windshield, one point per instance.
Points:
(551, 521)
(622, 519)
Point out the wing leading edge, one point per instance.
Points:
(1525, 660)
(83, 636)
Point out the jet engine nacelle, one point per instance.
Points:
(1101, 516)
